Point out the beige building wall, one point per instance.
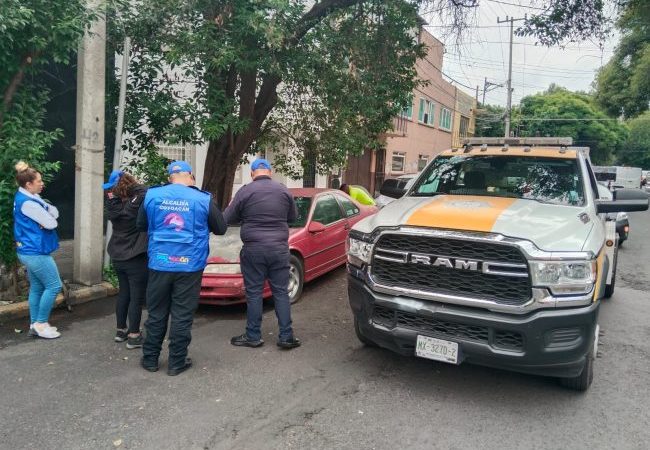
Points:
(464, 118)
(421, 137)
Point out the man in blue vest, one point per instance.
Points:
(179, 218)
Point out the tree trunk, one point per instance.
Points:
(221, 165)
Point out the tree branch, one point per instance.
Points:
(317, 12)
(15, 84)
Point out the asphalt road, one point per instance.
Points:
(85, 392)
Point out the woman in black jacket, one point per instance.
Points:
(128, 251)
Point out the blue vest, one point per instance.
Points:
(178, 228)
(31, 238)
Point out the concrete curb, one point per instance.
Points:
(76, 297)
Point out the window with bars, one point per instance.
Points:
(178, 152)
(445, 119)
(426, 111)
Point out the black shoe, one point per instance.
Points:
(134, 342)
(174, 372)
(147, 367)
(289, 343)
(243, 341)
(121, 335)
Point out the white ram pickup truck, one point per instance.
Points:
(499, 254)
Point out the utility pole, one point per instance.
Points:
(486, 88)
(89, 149)
(509, 102)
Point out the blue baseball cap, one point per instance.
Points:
(178, 166)
(261, 163)
(113, 179)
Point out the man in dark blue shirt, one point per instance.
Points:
(264, 208)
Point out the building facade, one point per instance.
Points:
(464, 118)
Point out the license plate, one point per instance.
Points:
(436, 349)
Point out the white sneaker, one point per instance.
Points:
(45, 332)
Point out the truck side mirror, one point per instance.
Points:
(625, 200)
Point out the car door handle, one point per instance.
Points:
(347, 226)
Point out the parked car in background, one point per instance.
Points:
(316, 241)
(401, 183)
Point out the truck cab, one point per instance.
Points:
(498, 255)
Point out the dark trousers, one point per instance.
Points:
(258, 265)
(174, 294)
(132, 275)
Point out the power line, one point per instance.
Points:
(518, 5)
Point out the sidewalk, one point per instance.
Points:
(76, 293)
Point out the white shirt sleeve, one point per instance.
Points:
(53, 211)
(40, 215)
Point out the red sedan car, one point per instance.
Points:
(316, 242)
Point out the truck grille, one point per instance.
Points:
(511, 287)
(391, 318)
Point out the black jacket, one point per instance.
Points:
(265, 208)
(126, 241)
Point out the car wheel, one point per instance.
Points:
(364, 340)
(621, 239)
(296, 279)
(609, 289)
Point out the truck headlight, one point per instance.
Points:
(564, 277)
(359, 251)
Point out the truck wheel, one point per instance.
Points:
(296, 279)
(364, 340)
(609, 288)
(583, 381)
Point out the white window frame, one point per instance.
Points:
(445, 113)
(178, 152)
(407, 113)
(424, 158)
(400, 155)
(426, 107)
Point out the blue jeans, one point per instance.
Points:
(258, 265)
(44, 285)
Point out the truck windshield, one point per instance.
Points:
(548, 180)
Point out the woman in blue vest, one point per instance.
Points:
(35, 223)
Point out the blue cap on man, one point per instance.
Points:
(113, 179)
(261, 163)
(178, 166)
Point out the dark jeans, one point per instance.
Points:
(258, 265)
(132, 275)
(175, 294)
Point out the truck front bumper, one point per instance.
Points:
(550, 342)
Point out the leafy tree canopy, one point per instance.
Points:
(623, 84)
(490, 121)
(559, 112)
(321, 79)
(636, 151)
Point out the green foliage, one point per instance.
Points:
(636, 151)
(559, 112)
(110, 275)
(490, 121)
(150, 167)
(21, 137)
(623, 84)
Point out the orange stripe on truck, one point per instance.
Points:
(473, 213)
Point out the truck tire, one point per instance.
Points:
(582, 381)
(609, 288)
(364, 340)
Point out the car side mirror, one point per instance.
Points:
(392, 188)
(316, 227)
(625, 200)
